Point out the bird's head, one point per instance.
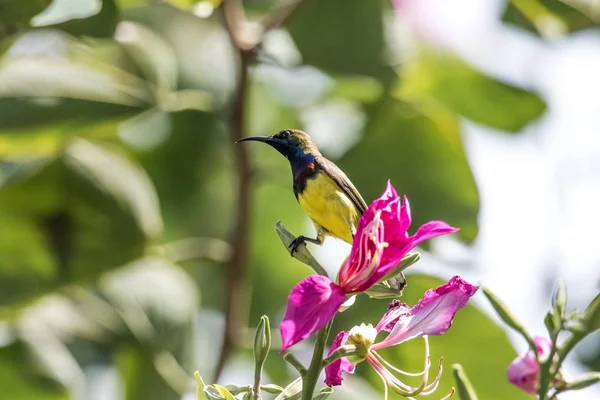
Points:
(292, 143)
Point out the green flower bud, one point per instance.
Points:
(262, 341)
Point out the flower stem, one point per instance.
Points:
(546, 373)
(344, 351)
(257, 378)
(293, 361)
(316, 365)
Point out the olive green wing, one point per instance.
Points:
(344, 183)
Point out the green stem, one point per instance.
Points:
(316, 365)
(344, 351)
(257, 378)
(293, 361)
(546, 373)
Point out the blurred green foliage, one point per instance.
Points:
(115, 145)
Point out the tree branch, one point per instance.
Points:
(237, 269)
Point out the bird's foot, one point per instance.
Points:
(295, 243)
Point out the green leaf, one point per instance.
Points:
(100, 24)
(142, 380)
(271, 388)
(20, 376)
(185, 4)
(323, 393)
(420, 150)
(63, 10)
(15, 14)
(293, 391)
(462, 89)
(507, 316)
(218, 392)
(157, 301)
(592, 315)
(156, 298)
(357, 88)
(550, 18)
(152, 54)
(583, 381)
(205, 62)
(94, 209)
(47, 77)
(465, 388)
(238, 389)
(342, 37)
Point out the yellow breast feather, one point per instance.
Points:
(329, 207)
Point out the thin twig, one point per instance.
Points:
(237, 270)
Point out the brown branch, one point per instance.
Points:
(238, 266)
(237, 269)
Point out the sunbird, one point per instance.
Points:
(323, 191)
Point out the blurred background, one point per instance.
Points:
(137, 241)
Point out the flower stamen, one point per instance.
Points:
(390, 366)
(362, 269)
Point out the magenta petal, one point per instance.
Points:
(311, 304)
(333, 371)
(382, 240)
(431, 229)
(543, 346)
(405, 218)
(395, 310)
(433, 314)
(523, 371)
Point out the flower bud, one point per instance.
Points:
(262, 341)
(524, 370)
(362, 336)
(559, 299)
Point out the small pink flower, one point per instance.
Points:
(432, 315)
(336, 368)
(524, 370)
(381, 241)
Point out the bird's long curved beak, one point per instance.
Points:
(264, 139)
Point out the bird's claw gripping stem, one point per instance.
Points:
(295, 243)
(302, 239)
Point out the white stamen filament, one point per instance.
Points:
(385, 387)
(373, 232)
(381, 367)
(448, 395)
(390, 366)
(433, 385)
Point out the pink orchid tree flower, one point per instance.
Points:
(432, 315)
(380, 243)
(523, 372)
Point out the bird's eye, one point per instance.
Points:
(285, 134)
